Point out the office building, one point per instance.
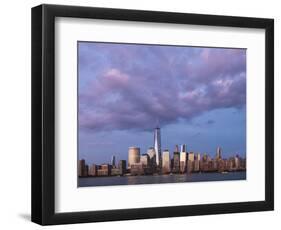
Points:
(237, 162)
(144, 159)
(122, 167)
(221, 165)
(166, 165)
(176, 149)
(133, 156)
(196, 167)
(176, 163)
(115, 172)
(183, 148)
(113, 159)
(183, 161)
(93, 170)
(137, 169)
(191, 156)
(152, 157)
(86, 170)
(219, 153)
(157, 145)
(81, 167)
(104, 170)
(151, 152)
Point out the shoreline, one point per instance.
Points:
(167, 174)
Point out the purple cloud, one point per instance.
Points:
(131, 86)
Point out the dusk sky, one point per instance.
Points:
(197, 95)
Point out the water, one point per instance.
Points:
(158, 179)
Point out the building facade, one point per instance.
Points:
(133, 156)
(166, 164)
(113, 161)
(183, 161)
(219, 153)
(157, 145)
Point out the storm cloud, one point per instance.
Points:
(132, 87)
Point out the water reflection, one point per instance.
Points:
(158, 179)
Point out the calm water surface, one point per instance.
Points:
(158, 179)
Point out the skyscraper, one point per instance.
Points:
(122, 167)
(93, 170)
(190, 161)
(133, 156)
(166, 165)
(113, 160)
(152, 157)
(151, 152)
(144, 159)
(157, 145)
(176, 162)
(176, 149)
(183, 148)
(183, 161)
(218, 153)
(81, 167)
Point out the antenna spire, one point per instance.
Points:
(157, 123)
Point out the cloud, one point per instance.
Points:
(133, 86)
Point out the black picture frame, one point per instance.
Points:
(43, 114)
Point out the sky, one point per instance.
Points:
(197, 95)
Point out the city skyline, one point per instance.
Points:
(197, 96)
(149, 164)
(217, 153)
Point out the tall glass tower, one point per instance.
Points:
(113, 163)
(219, 153)
(157, 145)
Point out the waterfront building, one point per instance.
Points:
(104, 170)
(176, 163)
(93, 170)
(237, 162)
(215, 163)
(183, 161)
(231, 163)
(144, 159)
(122, 167)
(157, 145)
(191, 156)
(243, 163)
(221, 165)
(190, 166)
(133, 156)
(196, 165)
(152, 157)
(166, 167)
(137, 169)
(86, 170)
(151, 152)
(81, 167)
(204, 158)
(115, 172)
(198, 156)
(190, 162)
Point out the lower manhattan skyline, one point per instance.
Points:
(197, 95)
(156, 163)
(178, 148)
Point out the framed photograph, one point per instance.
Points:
(142, 114)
